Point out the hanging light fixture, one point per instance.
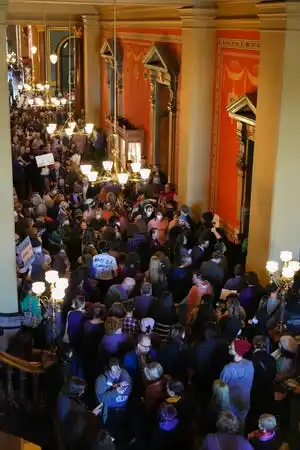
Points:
(53, 58)
(85, 168)
(113, 170)
(136, 167)
(145, 173)
(107, 165)
(89, 127)
(70, 127)
(92, 176)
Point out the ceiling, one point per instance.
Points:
(64, 11)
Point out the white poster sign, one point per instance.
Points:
(45, 160)
(25, 255)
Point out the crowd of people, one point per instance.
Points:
(168, 343)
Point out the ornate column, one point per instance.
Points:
(79, 86)
(42, 53)
(172, 108)
(36, 57)
(274, 216)
(8, 282)
(92, 73)
(196, 101)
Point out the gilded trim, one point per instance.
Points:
(172, 39)
(223, 43)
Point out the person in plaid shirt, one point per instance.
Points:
(130, 324)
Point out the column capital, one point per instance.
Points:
(279, 16)
(91, 20)
(199, 18)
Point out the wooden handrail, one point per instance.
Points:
(32, 367)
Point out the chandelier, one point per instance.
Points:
(114, 173)
(282, 275)
(14, 63)
(70, 127)
(56, 287)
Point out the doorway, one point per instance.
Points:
(66, 64)
(162, 127)
(247, 186)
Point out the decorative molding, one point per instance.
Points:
(77, 31)
(172, 39)
(199, 18)
(223, 43)
(236, 24)
(146, 23)
(243, 109)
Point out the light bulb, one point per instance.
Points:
(51, 276)
(39, 86)
(123, 178)
(145, 173)
(107, 165)
(286, 256)
(294, 265)
(272, 266)
(69, 131)
(85, 168)
(89, 128)
(136, 167)
(38, 287)
(63, 101)
(49, 129)
(287, 272)
(62, 283)
(52, 126)
(30, 101)
(53, 58)
(72, 125)
(92, 176)
(58, 294)
(47, 86)
(33, 49)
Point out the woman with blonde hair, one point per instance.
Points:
(157, 273)
(235, 309)
(220, 401)
(221, 395)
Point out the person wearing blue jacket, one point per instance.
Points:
(113, 389)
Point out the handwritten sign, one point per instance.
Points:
(25, 255)
(45, 160)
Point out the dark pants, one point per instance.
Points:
(117, 425)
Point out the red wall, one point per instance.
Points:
(136, 87)
(236, 73)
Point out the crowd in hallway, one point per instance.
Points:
(166, 342)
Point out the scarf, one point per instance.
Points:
(262, 436)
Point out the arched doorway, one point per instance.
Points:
(163, 74)
(66, 64)
(243, 111)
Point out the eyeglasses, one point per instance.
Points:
(146, 346)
